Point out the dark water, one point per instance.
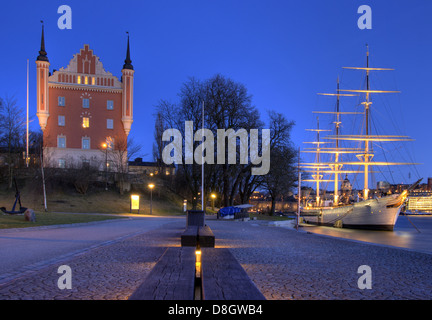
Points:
(410, 232)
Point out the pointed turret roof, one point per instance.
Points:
(42, 53)
(128, 61)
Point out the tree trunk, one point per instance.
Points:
(273, 206)
(10, 176)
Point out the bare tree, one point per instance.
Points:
(248, 184)
(12, 129)
(228, 105)
(118, 155)
(283, 172)
(174, 116)
(282, 175)
(158, 144)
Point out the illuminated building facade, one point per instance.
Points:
(83, 109)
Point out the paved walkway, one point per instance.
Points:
(111, 271)
(284, 264)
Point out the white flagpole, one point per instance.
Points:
(202, 162)
(299, 192)
(27, 123)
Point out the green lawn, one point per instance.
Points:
(67, 206)
(64, 205)
(65, 199)
(50, 218)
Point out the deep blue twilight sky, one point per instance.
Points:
(284, 52)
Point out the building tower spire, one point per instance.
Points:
(42, 75)
(42, 53)
(128, 61)
(127, 96)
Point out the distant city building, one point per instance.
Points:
(138, 166)
(83, 109)
(383, 186)
(257, 195)
(346, 186)
(420, 203)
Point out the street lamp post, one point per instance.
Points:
(151, 186)
(213, 196)
(105, 146)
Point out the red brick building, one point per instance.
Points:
(83, 109)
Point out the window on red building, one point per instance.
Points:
(86, 143)
(61, 142)
(86, 122)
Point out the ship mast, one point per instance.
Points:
(317, 166)
(337, 123)
(367, 156)
(318, 176)
(336, 167)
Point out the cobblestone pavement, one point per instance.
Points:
(287, 264)
(109, 272)
(284, 264)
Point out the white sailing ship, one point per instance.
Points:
(355, 211)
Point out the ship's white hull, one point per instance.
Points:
(377, 214)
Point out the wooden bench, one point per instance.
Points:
(194, 236)
(175, 276)
(206, 237)
(172, 278)
(195, 218)
(189, 237)
(223, 278)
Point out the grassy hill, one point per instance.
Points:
(64, 198)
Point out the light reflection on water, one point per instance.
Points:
(405, 234)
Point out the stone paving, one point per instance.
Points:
(111, 271)
(284, 264)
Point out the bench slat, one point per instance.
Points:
(206, 237)
(189, 237)
(223, 278)
(194, 235)
(172, 278)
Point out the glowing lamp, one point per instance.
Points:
(135, 202)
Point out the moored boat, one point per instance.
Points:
(364, 212)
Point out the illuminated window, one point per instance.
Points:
(86, 143)
(86, 122)
(93, 80)
(79, 79)
(85, 80)
(61, 101)
(62, 163)
(110, 124)
(61, 121)
(110, 104)
(61, 142)
(86, 103)
(110, 143)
